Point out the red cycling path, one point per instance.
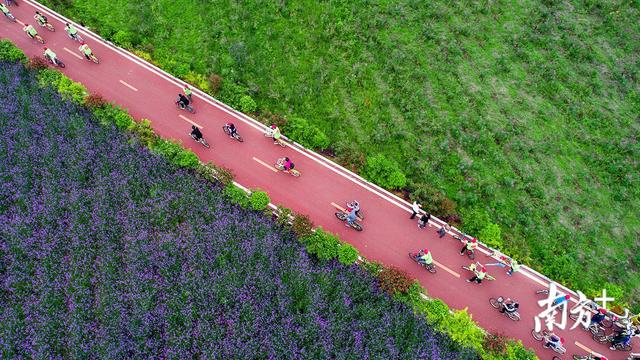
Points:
(388, 234)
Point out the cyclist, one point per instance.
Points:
(354, 205)
(443, 230)
(424, 220)
(183, 100)
(5, 10)
(560, 300)
(187, 92)
(424, 257)
(509, 306)
(30, 31)
(514, 267)
(623, 337)
(42, 20)
(478, 275)
(275, 132)
(86, 50)
(50, 55)
(351, 218)
(287, 164)
(471, 245)
(195, 132)
(598, 317)
(554, 341)
(71, 31)
(232, 128)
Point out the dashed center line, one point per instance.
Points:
(189, 121)
(583, 347)
(265, 164)
(446, 269)
(72, 53)
(127, 85)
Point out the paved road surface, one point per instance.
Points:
(389, 234)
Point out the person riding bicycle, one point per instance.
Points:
(424, 220)
(287, 164)
(560, 300)
(509, 306)
(351, 218)
(354, 205)
(232, 129)
(30, 31)
(50, 55)
(5, 10)
(195, 132)
(182, 100)
(623, 337)
(41, 19)
(71, 30)
(471, 245)
(424, 257)
(598, 317)
(554, 341)
(275, 133)
(86, 50)
(187, 91)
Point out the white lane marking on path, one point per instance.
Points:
(127, 85)
(585, 348)
(190, 122)
(72, 53)
(356, 179)
(265, 164)
(446, 269)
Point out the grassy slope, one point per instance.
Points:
(527, 109)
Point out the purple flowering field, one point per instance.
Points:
(109, 251)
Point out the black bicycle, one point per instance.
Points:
(235, 135)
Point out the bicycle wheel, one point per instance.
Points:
(536, 335)
(575, 357)
(50, 27)
(238, 137)
(514, 316)
(545, 291)
(495, 303)
(573, 316)
(205, 143)
(11, 17)
(61, 64)
(95, 59)
(357, 226)
(190, 109)
(596, 330)
(296, 173)
(602, 339)
(624, 348)
(226, 130)
(360, 214)
(431, 268)
(342, 216)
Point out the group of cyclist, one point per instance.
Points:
(70, 29)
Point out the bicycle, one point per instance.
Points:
(235, 135)
(595, 329)
(430, 267)
(473, 268)
(37, 38)
(201, 140)
(591, 356)
(342, 216)
(55, 61)
(76, 37)
(46, 25)
(93, 58)
(280, 166)
(180, 105)
(359, 212)
(498, 303)
(544, 334)
(604, 339)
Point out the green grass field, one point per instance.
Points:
(525, 110)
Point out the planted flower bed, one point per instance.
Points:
(109, 251)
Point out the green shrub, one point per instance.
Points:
(306, 134)
(247, 104)
(231, 94)
(463, 330)
(145, 133)
(215, 83)
(347, 254)
(350, 156)
(284, 215)
(433, 200)
(474, 220)
(384, 172)
(198, 80)
(168, 149)
(123, 120)
(237, 195)
(123, 39)
(49, 77)
(187, 159)
(10, 52)
(491, 235)
(68, 89)
(259, 200)
(213, 172)
(322, 244)
(302, 225)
